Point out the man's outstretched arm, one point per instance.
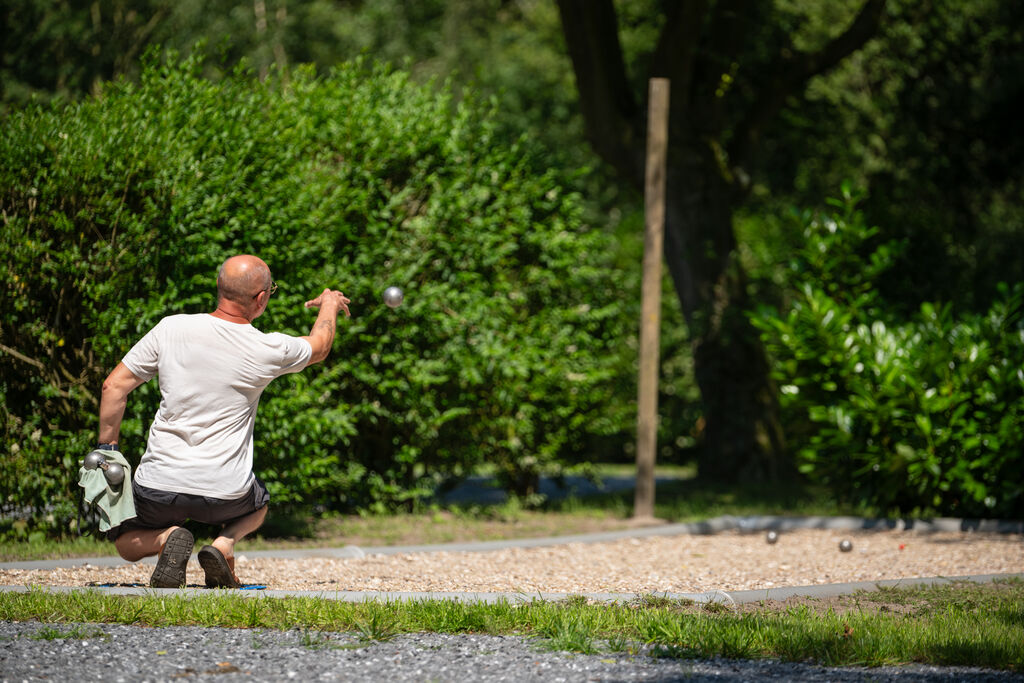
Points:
(321, 336)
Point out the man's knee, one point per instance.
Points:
(135, 544)
(128, 547)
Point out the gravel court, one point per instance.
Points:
(728, 555)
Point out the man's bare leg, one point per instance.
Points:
(236, 531)
(139, 543)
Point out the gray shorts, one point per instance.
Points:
(156, 509)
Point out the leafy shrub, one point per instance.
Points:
(904, 416)
(118, 211)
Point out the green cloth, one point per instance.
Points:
(114, 503)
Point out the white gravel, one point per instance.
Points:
(689, 563)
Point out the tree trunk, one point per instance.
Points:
(743, 436)
(702, 43)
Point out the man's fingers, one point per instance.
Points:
(340, 298)
(318, 302)
(343, 302)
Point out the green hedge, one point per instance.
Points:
(905, 415)
(118, 210)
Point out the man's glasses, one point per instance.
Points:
(272, 288)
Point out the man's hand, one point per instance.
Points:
(330, 297)
(321, 337)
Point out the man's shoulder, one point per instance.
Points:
(284, 338)
(184, 320)
(178, 317)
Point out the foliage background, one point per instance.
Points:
(119, 209)
(896, 414)
(923, 119)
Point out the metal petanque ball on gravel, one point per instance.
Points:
(771, 537)
(845, 546)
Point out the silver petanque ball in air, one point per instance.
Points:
(393, 297)
(771, 537)
(114, 473)
(93, 460)
(845, 546)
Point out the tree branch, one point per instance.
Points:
(791, 72)
(609, 108)
(676, 53)
(863, 28)
(22, 357)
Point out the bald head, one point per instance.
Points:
(241, 278)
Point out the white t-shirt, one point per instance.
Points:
(211, 373)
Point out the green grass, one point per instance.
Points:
(76, 632)
(688, 499)
(963, 624)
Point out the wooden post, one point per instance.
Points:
(650, 306)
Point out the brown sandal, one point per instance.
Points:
(218, 572)
(170, 567)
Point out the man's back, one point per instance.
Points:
(211, 375)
